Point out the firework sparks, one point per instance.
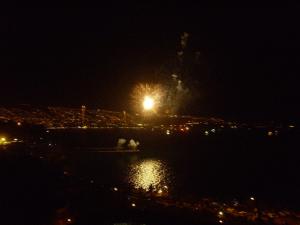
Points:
(148, 97)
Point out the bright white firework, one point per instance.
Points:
(148, 98)
(148, 103)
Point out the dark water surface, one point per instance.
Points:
(226, 164)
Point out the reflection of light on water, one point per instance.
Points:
(147, 174)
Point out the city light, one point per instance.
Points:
(133, 204)
(3, 141)
(252, 198)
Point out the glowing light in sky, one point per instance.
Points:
(148, 174)
(148, 103)
(148, 97)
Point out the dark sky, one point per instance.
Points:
(249, 64)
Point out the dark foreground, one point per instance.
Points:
(235, 177)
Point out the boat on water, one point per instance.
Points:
(108, 150)
(131, 147)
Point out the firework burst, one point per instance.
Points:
(148, 98)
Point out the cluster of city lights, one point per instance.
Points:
(6, 141)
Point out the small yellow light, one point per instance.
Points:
(133, 204)
(115, 189)
(270, 133)
(168, 132)
(221, 213)
(69, 220)
(206, 132)
(252, 198)
(19, 124)
(159, 191)
(221, 221)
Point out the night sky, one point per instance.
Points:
(248, 63)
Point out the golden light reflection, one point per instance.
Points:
(149, 175)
